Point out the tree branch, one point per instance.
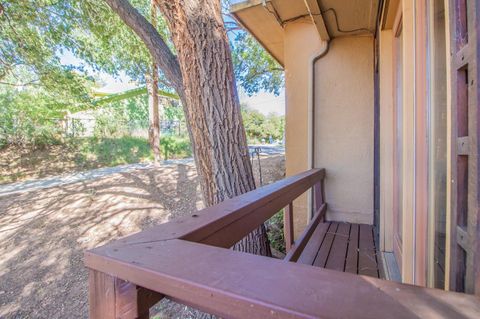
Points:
(154, 42)
(33, 83)
(262, 72)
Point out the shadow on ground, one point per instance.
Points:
(43, 233)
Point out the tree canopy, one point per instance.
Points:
(35, 33)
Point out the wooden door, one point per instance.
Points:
(464, 230)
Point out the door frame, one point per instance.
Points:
(397, 241)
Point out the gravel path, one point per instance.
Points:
(65, 179)
(44, 232)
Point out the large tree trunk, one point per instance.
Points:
(209, 96)
(213, 108)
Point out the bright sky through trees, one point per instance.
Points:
(263, 102)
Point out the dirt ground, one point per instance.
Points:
(18, 163)
(43, 233)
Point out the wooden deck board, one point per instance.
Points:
(351, 264)
(367, 260)
(336, 259)
(311, 249)
(323, 253)
(342, 247)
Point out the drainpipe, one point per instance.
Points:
(312, 116)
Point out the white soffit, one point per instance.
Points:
(360, 15)
(265, 19)
(262, 24)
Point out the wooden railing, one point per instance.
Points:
(294, 249)
(188, 260)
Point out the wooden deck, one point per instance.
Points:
(342, 247)
(187, 260)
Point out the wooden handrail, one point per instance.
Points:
(225, 224)
(186, 260)
(319, 215)
(232, 284)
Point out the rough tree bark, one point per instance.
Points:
(202, 74)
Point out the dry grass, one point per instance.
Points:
(19, 163)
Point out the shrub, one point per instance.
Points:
(110, 123)
(175, 146)
(30, 132)
(45, 135)
(275, 232)
(259, 127)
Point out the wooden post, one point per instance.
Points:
(113, 298)
(288, 226)
(464, 252)
(319, 196)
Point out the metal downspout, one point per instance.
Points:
(314, 62)
(312, 120)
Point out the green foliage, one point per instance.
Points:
(136, 109)
(275, 232)
(259, 126)
(32, 33)
(175, 146)
(109, 45)
(29, 117)
(76, 154)
(173, 112)
(35, 32)
(35, 86)
(99, 152)
(120, 118)
(111, 122)
(255, 69)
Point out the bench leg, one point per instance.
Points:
(112, 298)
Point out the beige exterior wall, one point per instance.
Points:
(302, 44)
(386, 139)
(344, 116)
(344, 122)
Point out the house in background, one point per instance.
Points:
(382, 158)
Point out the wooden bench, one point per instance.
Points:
(338, 246)
(342, 247)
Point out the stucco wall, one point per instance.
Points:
(386, 140)
(302, 44)
(344, 115)
(344, 120)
